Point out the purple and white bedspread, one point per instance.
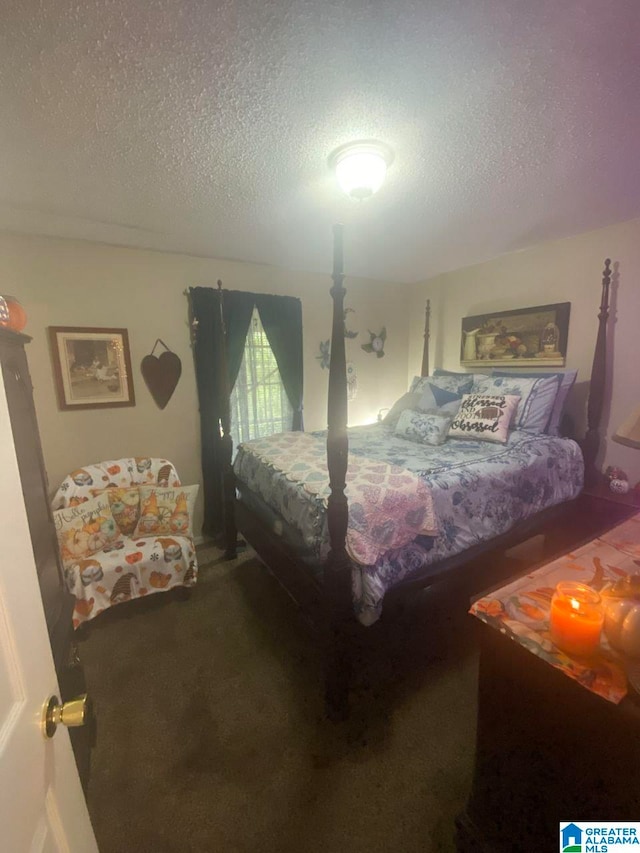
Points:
(479, 490)
(388, 506)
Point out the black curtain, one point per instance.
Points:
(281, 318)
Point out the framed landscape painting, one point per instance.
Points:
(522, 337)
(92, 367)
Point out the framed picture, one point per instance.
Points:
(92, 367)
(524, 337)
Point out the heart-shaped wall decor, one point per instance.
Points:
(161, 373)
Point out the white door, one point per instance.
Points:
(42, 807)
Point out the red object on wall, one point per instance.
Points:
(12, 314)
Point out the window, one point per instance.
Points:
(259, 403)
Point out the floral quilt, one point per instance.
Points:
(388, 506)
(479, 490)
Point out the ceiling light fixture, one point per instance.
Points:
(361, 167)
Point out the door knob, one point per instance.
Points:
(73, 713)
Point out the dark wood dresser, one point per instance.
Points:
(57, 602)
(547, 749)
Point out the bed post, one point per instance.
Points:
(591, 442)
(226, 443)
(337, 572)
(427, 335)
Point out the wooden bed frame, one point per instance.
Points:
(329, 604)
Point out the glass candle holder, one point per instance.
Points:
(576, 618)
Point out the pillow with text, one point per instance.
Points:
(166, 512)
(484, 417)
(85, 529)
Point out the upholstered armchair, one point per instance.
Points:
(124, 531)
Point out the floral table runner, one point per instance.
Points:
(521, 609)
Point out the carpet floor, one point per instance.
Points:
(211, 735)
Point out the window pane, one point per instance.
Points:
(259, 404)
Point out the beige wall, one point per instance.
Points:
(562, 271)
(74, 283)
(65, 282)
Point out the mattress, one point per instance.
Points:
(480, 490)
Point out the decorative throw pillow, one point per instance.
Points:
(537, 396)
(566, 378)
(419, 383)
(425, 428)
(166, 511)
(409, 400)
(484, 417)
(436, 399)
(463, 378)
(125, 508)
(85, 529)
(458, 383)
(439, 373)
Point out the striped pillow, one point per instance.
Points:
(537, 397)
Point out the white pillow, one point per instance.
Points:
(409, 400)
(166, 511)
(484, 417)
(537, 397)
(85, 529)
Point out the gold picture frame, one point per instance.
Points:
(524, 337)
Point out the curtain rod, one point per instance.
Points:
(185, 292)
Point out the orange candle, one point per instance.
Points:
(576, 618)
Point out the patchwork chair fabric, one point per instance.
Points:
(133, 566)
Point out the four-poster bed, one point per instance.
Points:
(325, 594)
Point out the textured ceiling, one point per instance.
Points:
(204, 126)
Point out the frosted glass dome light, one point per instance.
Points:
(361, 167)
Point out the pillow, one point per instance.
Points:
(441, 374)
(407, 401)
(125, 508)
(437, 399)
(457, 373)
(566, 378)
(85, 529)
(566, 384)
(484, 417)
(537, 396)
(425, 428)
(458, 383)
(166, 512)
